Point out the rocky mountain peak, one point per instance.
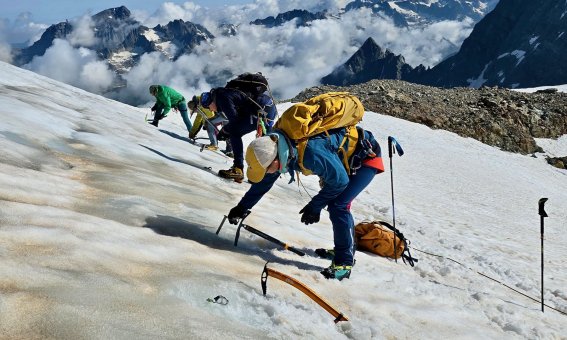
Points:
(303, 17)
(57, 31)
(519, 44)
(369, 62)
(117, 13)
(420, 12)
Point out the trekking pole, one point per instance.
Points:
(204, 117)
(393, 145)
(542, 215)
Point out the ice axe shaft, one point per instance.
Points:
(259, 233)
(303, 288)
(273, 239)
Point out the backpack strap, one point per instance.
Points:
(301, 146)
(406, 255)
(350, 138)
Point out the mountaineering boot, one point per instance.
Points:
(211, 147)
(338, 272)
(234, 173)
(328, 254)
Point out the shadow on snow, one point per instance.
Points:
(205, 235)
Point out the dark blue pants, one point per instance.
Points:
(236, 130)
(341, 218)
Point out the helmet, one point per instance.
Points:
(154, 89)
(207, 98)
(192, 104)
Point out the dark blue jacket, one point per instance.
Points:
(320, 157)
(241, 111)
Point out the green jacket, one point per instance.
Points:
(167, 98)
(198, 123)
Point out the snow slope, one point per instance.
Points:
(107, 230)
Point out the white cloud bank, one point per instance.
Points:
(293, 58)
(83, 32)
(75, 66)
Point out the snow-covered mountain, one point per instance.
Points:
(509, 47)
(422, 12)
(121, 40)
(110, 52)
(520, 44)
(301, 17)
(107, 227)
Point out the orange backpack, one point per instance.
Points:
(378, 237)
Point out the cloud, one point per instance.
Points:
(292, 58)
(5, 52)
(22, 30)
(83, 32)
(5, 48)
(428, 45)
(169, 11)
(75, 66)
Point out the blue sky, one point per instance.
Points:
(50, 12)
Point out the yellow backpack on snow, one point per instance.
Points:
(319, 114)
(378, 237)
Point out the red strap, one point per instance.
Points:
(375, 163)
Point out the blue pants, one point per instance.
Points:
(341, 218)
(182, 107)
(211, 128)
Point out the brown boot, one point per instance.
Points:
(211, 147)
(234, 173)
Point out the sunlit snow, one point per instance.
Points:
(107, 231)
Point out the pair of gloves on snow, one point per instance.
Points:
(309, 214)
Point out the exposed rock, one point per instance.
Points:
(499, 117)
(302, 17)
(419, 12)
(558, 162)
(371, 62)
(510, 47)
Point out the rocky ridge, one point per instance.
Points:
(495, 116)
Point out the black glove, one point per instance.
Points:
(237, 213)
(310, 215)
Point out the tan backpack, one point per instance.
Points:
(378, 237)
